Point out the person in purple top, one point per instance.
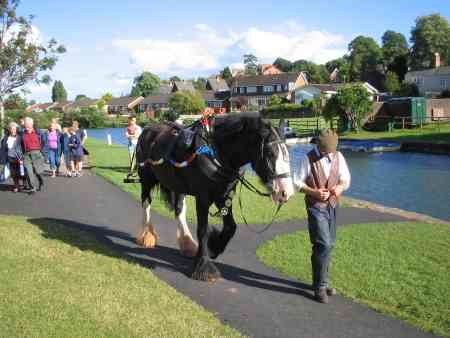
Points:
(54, 148)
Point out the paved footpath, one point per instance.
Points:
(251, 297)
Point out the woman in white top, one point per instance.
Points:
(11, 153)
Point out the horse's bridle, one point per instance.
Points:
(279, 141)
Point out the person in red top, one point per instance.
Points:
(33, 145)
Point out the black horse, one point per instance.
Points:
(233, 141)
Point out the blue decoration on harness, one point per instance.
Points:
(205, 150)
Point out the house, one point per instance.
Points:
(430, 82)
(123, 105)
(61, 106)
(255, 91)
(183, 85)
(154, 102)
(313, 91)
(217, 102)
(81, 104)
(40, 107)
(218, 85)
(166, 88)
(268, 69)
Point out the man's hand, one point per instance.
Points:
(322, 194)
(337, 190)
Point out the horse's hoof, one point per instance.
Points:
(147, 239)
(206, 271)
(188, 247)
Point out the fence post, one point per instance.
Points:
(317, 125)
(403, 123)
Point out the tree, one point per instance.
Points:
(80, 97)
(226, 73)
(430, 35)
(355, 102)
(184, 102)
(251, 64)
(365, 56)
(22, 59)
(59, 92)
(392, 83)
(14, 101)
(395, 53)
(343, 66)
(275, 100)
(316, 73)
(145, 85)
(199, 84)
(107, 97)
(283, 65)
(408, 90)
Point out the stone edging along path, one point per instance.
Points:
(410, 215)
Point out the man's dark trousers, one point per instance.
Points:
(322, 233)
(34, 165)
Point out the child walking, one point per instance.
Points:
(76, 153)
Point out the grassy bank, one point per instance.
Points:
(112, 162)
(59, 282)
(429, 133)
(401, 269)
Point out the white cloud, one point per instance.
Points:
(208, 50)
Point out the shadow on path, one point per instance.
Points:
(160, 257)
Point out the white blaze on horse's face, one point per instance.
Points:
(282, 186)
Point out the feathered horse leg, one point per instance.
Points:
(148, 237)
(188, 246)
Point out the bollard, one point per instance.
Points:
(109, 139)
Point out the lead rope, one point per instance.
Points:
(245, 220)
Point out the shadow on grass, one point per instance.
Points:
(116, 169)
(161, 257)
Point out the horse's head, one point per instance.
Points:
(271, 163)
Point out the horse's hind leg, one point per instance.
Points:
(188, 246)
(148, 236)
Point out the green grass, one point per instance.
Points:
(59, 282)
(401, 269)
(429, 133)
(111, 162)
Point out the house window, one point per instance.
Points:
(262, 101)
(268, 89)
(279, 88)
(251, 89)
(236, 90)
(444, 83)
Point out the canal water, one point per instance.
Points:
(410, 181)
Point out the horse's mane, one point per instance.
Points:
(235, 123)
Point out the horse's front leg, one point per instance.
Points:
(204, 268)
(218, 241)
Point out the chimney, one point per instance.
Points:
(437, 62)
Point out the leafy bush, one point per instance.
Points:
(41, 120)
(89, 117)
(284, 110)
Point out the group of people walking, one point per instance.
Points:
(25, 149)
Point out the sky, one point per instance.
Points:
(109, 42)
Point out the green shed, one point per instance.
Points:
(413, 108)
